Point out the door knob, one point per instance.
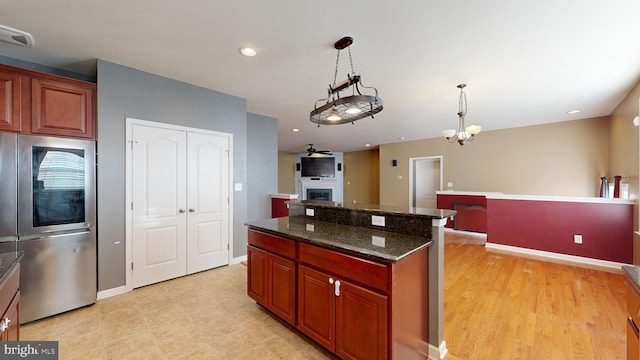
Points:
(192, 210)
(181, 211)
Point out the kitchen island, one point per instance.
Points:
(364, 282)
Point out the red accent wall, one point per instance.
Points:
(448, 201)
(606, 229)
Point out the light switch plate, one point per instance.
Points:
(237, 187)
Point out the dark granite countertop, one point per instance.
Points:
(376, 245)
(7, 261)
(633, 275)
(410, 211)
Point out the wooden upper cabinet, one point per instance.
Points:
(62, 109)
(10, 102)
(32, 102)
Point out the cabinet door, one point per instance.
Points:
(282, 287)
(11, 320)
(9, 102)
(316, 306)
(61, 109)
(361, 323)
(257, 282)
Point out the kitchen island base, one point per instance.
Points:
(353, 306)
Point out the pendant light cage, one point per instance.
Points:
(337, 109)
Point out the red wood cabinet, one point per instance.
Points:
(10, 323)
(10, 306)
(335, 310)
(354, 307)
(282, 286)
(271, 277)
(60, 108)
(9, 101)
(44, 104)
(316, 306)
(341, 316)
(257, 280)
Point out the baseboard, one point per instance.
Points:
(556, 256)
(111, 292)
(238, 260)
(438, 353)
(470, 233)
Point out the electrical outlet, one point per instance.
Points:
(577, 239)
(377, 220)
(309, 212)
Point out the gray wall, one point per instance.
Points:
(262, 165)
(46, 69)
(125, 92)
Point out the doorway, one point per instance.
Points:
(178, 201)
(425, 178)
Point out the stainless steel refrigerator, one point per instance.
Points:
(47, 210)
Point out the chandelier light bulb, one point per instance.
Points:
(353, 110)
(334, 116)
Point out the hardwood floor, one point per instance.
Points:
(503, 306)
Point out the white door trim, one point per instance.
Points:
(412, 165)
(128, 187)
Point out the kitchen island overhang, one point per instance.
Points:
(400, 271)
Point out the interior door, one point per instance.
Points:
(159, 216)
(426, 182)
(207, 199)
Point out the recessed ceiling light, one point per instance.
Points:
(401, 138)
(247, 51)
(367, 145)
(295, 129)
(573, 111)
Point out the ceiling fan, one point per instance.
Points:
(311, 150)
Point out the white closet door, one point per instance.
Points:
(159, 202)
(208, 204)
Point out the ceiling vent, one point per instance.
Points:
(15, 36)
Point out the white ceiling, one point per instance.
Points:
(525, 61)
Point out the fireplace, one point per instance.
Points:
(319, 194)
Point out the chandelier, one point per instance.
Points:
(341, 110)
(463, 134)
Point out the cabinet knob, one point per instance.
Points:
(181, 211)
(337, 290)
(192, 210)
(330, 280)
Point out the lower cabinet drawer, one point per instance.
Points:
(369, 273)
(274, 244)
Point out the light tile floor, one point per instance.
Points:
(207, 315)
